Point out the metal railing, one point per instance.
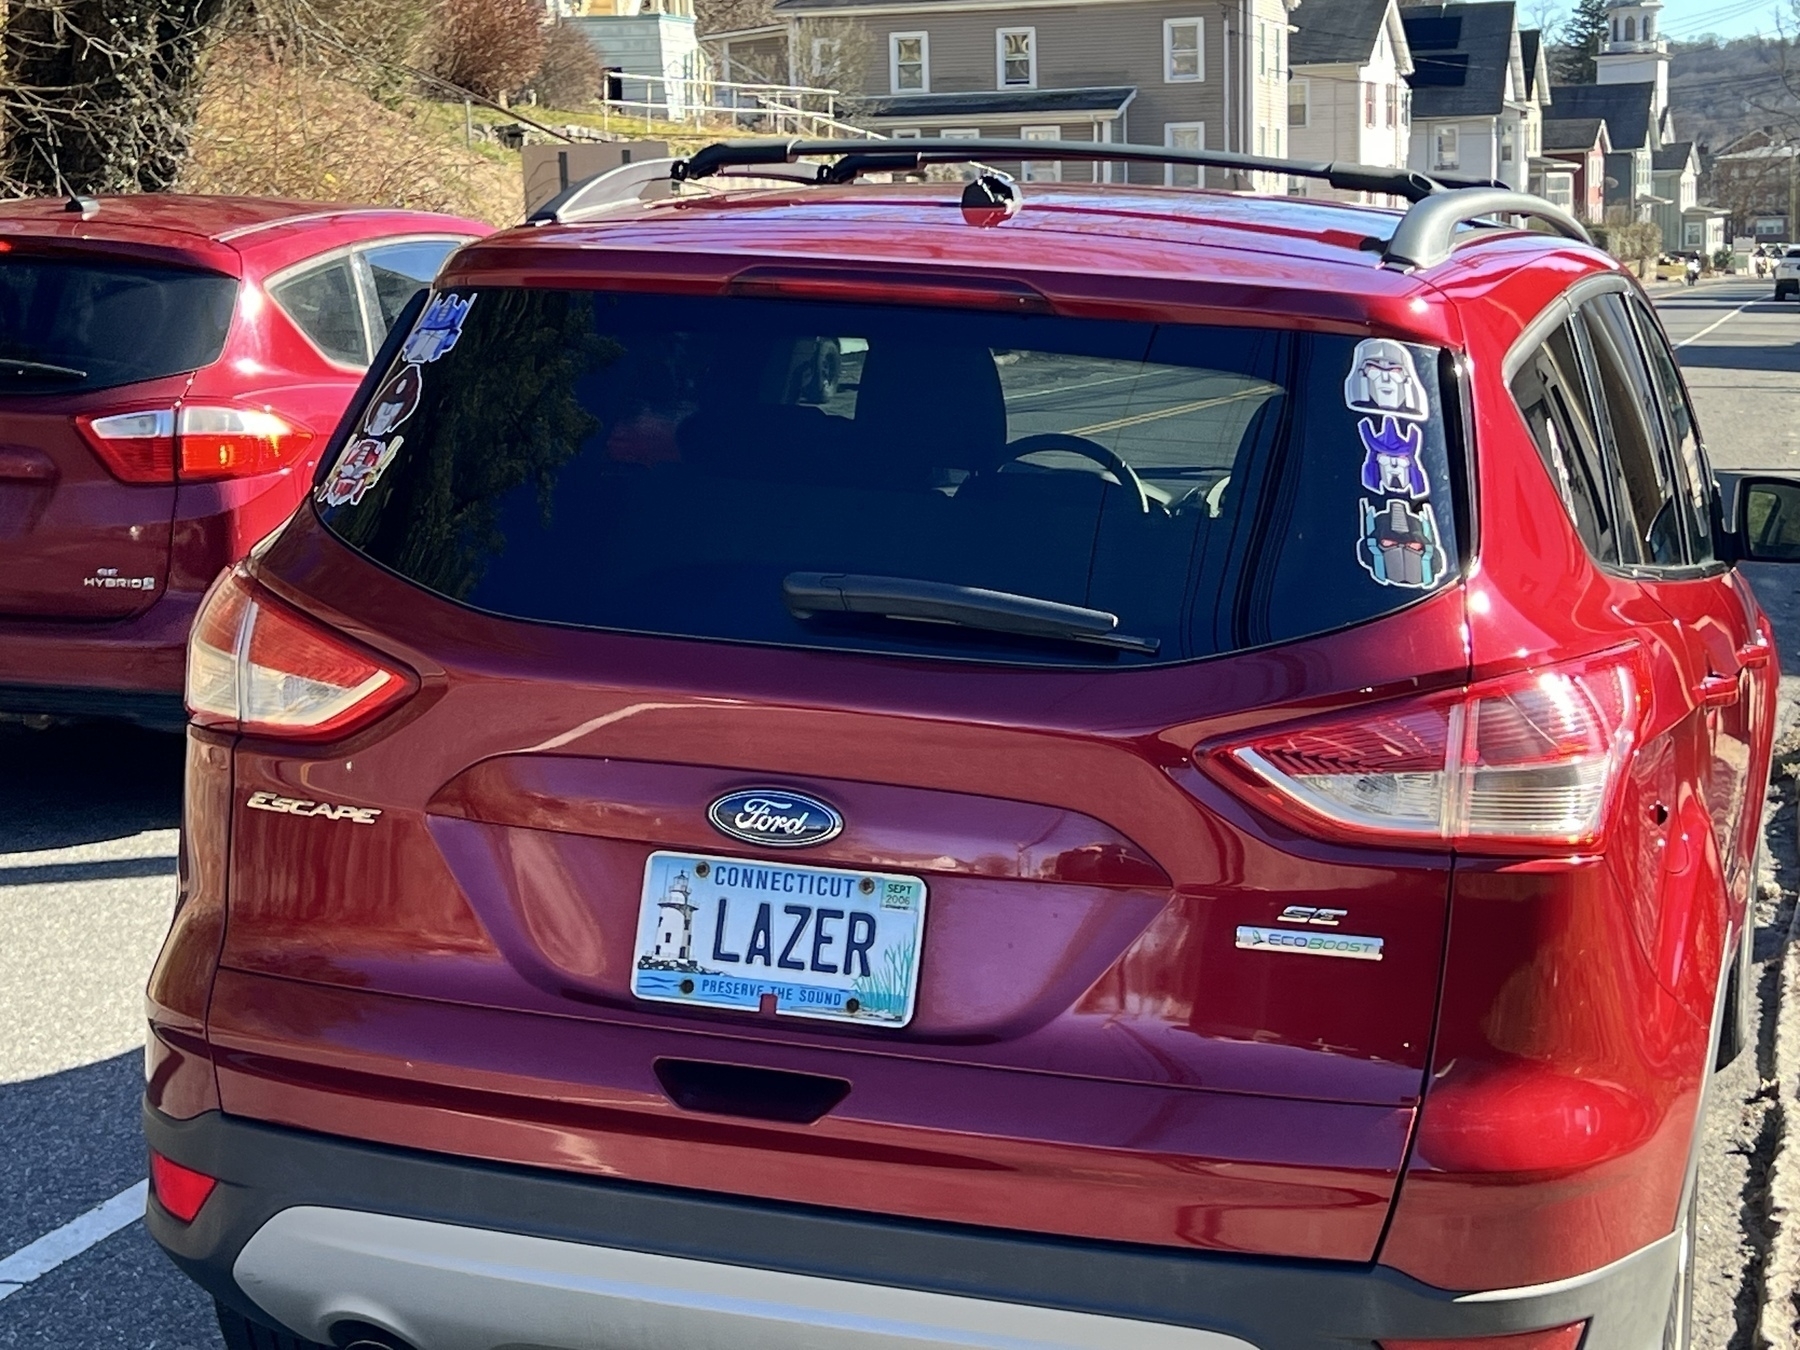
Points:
(767, 109)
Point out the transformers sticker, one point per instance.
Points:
(357, 470)
(1399, 545)
(1383, 381)
(396, 401)
(440, 326)
(1391, 460)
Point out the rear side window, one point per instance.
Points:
(1628, 413)
(871, 477)
(397, 272)
(322, 301)
(1692, 473)
(1552, 394)
(68, 325)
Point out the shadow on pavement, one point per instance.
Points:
(1780, 359)
(86, 783)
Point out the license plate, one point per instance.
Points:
(825, 942)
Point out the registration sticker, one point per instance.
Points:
(823, 942)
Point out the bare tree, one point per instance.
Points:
(100, 95)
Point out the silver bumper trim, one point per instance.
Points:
(446, 1287)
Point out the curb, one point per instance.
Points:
(1780, 1302)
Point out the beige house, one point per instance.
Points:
(1189, 73)
(1348, 98)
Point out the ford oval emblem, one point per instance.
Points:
(775, 817)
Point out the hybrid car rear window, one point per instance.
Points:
(883, 478)
(69, 324)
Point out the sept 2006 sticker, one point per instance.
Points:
(366, 457)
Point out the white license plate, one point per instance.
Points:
(824, 942)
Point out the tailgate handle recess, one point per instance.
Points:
(739, 1090)
(23, 463)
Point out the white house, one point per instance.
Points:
(1348, 98)
(1476, 114)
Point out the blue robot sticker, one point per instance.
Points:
(438, 329)
(1399, 544)
(1391, 462)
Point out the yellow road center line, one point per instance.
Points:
(1118, 423)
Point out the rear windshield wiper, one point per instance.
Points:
(810, 593)
(11, 365)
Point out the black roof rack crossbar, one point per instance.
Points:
(1427, 233)
(871, 156)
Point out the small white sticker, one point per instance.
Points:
(1383, 381)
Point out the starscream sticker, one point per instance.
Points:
(1383, 381)
(438, 328)
(396, 401)
(1391, 457)
(357, 470)
(1399, 545)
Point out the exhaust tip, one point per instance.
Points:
(361, 1336)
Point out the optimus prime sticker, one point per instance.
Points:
(1383, 381)
(357, 470)
(438, 328)
(1399, 545)
(1391, 457)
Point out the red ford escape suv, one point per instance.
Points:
(170, 368)
(861, 765)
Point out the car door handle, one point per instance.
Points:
(1718, 691)
(1753, 655)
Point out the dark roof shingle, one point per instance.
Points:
(931, 107)
(1626, 108)
(1329, 32)
(1461, 54)
(1572, 133)
(1672, 157)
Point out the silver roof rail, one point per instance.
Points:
(1427, 234)
(626, 184)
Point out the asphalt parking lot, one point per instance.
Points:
(88, 821)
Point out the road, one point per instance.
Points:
(88, 822)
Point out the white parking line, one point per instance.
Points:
(72, 1239)
(1716, 322)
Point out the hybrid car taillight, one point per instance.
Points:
(256, 666)
(196, 443)
(136, 447)
(1527, 759)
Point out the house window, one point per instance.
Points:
(1262, 50)
(1405, 107)
(1447, 157)
(1368, 103)
(1507, 137)
(1299, 103)
(1559, 190)
(825, 56)
(959, 134)
(904, 133)
(1393, 105)
(1184, 136)
(1015, 58)
(1183, 54)
(1041, 172)
(909, 63)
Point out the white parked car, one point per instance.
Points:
(1787, 274)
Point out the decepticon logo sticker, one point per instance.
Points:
(1309, 944)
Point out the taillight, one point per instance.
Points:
(1528, 759)
(256, 666)
(136, 447)
(180, 1190)
(1556, 1338)
(197, 443)
(234, 442)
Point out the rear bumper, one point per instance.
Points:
(306, 1231)
(131, 669)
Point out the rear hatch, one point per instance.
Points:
(804, 795)
(96, 350)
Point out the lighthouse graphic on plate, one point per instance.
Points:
(674, 949)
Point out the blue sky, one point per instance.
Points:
(1728, 18)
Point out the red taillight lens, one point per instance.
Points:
(256, 666)
(236, 442)
(202, 441)
(180, 1190)
(1555, 1338)
(1532, 758)
(136, 447)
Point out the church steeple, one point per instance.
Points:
(1635, 51)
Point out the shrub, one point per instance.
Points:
(490, 47)
(571, 71)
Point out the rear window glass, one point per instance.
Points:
(69, 325)
(936, 482)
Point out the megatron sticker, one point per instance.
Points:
(1399, 544)
(1383, 381)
